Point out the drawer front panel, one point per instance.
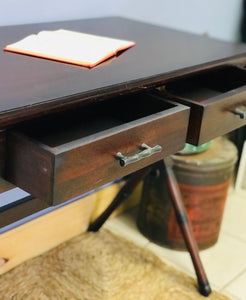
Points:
(95, 164)
(217, 99)
(221, 117)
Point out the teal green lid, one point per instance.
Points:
(191, 149)
(221, 154)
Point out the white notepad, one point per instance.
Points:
(69, 46)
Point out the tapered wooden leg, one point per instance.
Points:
(181, 215)
(124, 192)
(186, 229)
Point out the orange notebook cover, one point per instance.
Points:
(69, 46)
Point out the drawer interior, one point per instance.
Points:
(207, 84)
(93, 118)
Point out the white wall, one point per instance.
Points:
(218, 18)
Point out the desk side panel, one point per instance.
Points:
(29, 166)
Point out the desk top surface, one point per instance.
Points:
(30, 86)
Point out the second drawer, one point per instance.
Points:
(217, 98)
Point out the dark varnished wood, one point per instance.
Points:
(21, 210)
(79, 157)
(2, 151)
(5, 185)
(160, 196)
(31, 86)
(32, 165)
(213, 97)
(186, 228)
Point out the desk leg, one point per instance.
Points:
(186, 229)
(182, 218)
(124, 193)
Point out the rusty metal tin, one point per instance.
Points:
(203, 180)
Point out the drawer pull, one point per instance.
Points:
(147, 151)
(241, 113)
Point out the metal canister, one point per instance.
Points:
(203, 179)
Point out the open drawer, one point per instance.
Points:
(217, 98)
(59, 157)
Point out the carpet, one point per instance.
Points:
(98, 266)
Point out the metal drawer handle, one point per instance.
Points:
(147, 151)
(240, 112)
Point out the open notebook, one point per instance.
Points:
(69, 46)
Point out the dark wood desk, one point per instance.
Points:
(66, 130)
(35, 89)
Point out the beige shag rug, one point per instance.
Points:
(96, 266)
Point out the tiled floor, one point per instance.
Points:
(225, 262)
